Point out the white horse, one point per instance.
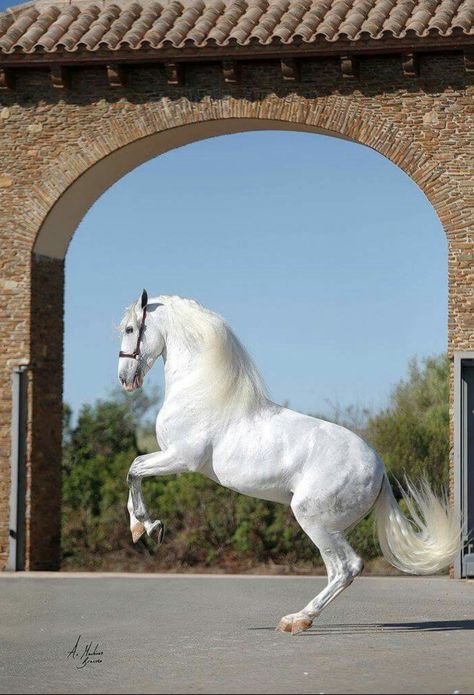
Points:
(217, 420)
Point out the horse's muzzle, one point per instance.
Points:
(135, 384)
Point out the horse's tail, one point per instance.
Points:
(426, 545)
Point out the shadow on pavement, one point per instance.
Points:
(368, 628)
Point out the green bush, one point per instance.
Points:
(412, 434)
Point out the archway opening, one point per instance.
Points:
(333, 280)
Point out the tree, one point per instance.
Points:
(412, 433)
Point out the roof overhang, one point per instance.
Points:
(116, 33)
(251, 52)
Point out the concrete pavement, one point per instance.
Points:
(215, 634)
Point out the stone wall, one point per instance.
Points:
(50, 138)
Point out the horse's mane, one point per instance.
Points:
(225, 375)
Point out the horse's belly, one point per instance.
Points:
(260, 486)
(255, 470)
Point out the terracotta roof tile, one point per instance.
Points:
(72, 25)
(76, 30)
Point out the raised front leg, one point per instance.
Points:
(158, 463)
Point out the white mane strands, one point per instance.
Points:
(226, 376)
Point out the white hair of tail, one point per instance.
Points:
(425, 545)
(225, 376)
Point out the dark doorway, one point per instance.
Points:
(464, 457)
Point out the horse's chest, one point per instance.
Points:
(173, 430)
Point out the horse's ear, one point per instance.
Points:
(144, 299)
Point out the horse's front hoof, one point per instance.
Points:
(156, 530)
(294, 623)
(138, 530)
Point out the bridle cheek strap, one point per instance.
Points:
(135, 354)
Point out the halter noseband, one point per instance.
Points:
(135, 354)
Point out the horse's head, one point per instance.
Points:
(142, 343)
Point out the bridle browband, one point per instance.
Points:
(135, 354)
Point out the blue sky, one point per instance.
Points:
(326, 259)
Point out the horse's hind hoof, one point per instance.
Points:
(156, 530)
(294, 624)
(300, 625)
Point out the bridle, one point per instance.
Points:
(136, 353)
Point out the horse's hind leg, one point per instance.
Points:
(342, 564)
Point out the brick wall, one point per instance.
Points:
(49, 138)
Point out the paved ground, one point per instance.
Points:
(208, 634)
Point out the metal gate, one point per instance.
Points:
(464, 456)
(16, 556)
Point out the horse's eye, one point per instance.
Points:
(129, 329)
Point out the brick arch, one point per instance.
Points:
(82, 173)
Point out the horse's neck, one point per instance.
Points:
(178, 366)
